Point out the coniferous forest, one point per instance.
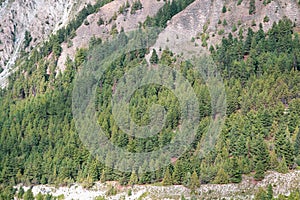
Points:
(39, 143)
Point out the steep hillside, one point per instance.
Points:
(112, 19)
(23, 25)
(53, 105)
(205, 23)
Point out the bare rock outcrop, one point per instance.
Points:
(184, 30)
(38, 17)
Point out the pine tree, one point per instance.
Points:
(182, 197)
(247, 43)
(282, 167)
(261, 194)
(273, 160)
(252, 7)
(154, 57)
(21, 193)
(261, 153)
(167, 178)
(222, 177)
(19, 176)
(297, 142)
(283, 146)
(235, 171)
(187, 179)
(88, 182)
(259, 171)
(224, 9)
(270, 192)
(103, 176)
(177, 173)
(133, 179)
(28, 195)
(39, 196)
(194, 183)
(93, 171)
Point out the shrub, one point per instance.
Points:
(266, 19)
(100, 22)
(221, 32)
(224, 10)
(86, 22)
(239, 22)
(252, 7)
(137, 5)
(111, 191)
(115, 16)
(234, 28)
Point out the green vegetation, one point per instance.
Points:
(239, 22)
(111, 191)
(256, 117)
(204, 38)
(266, 19)
(154, 57)
(164, 14)
(266, 2)
(221, 32)
(261, 132)
(100, 21)
(268, 195)
(252, 7)
(136, 5)
(123, 9)
(27, 39)
(224, 10)
(234, 28)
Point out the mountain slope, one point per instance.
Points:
(38, 18)
(41, 140)
(203, 17)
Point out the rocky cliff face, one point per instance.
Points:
(38, 18)
(202, 19)
(125, 20)
(206, 19)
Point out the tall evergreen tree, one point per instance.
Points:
(167, 178)
(297, 142)
(28, 195)
(133, 179)
(261, 153)
(235, 171)
(270, 192)
(273, 160)
(222, 177)
(154, 57)
(260, 194)
(259, 171)
(195, 182)
(282, 167)
(283, 146)
(252, 7)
